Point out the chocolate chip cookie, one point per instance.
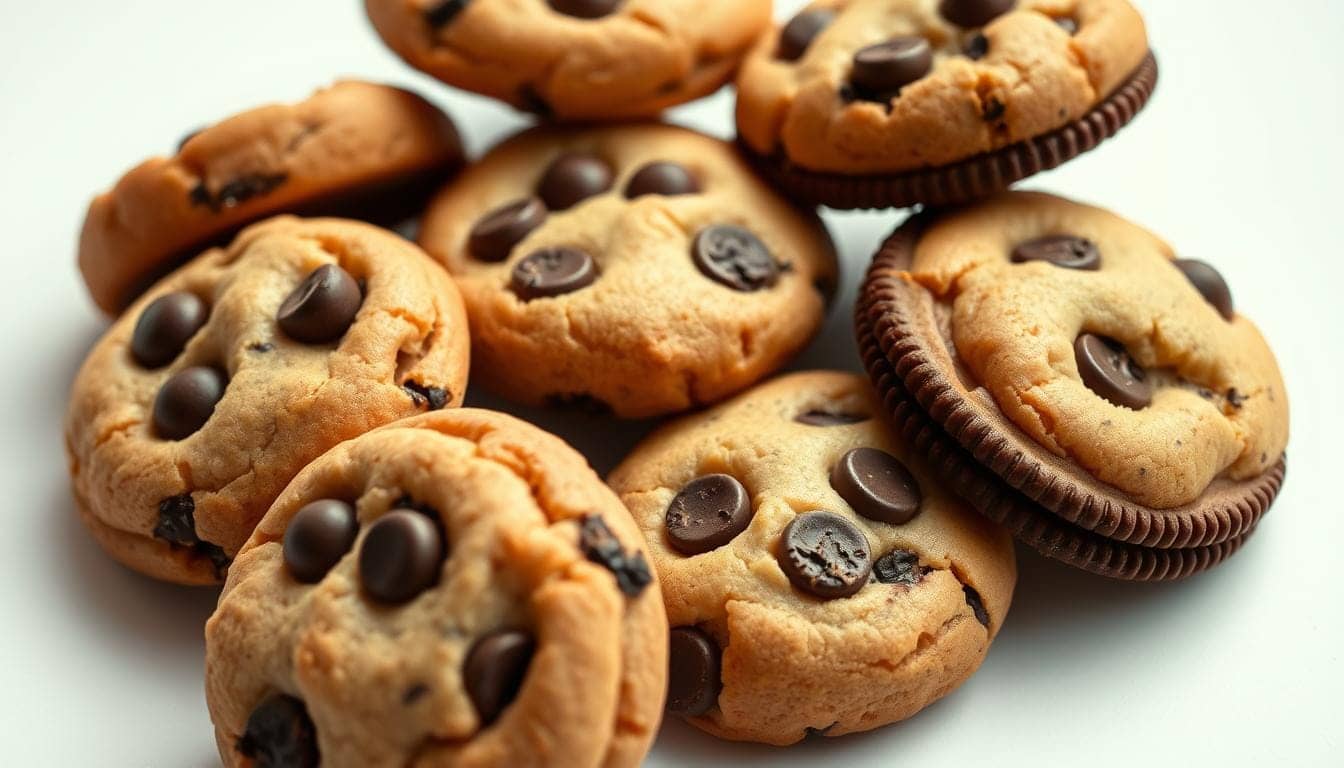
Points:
(198, 406)
(817, 576)
(455, 589)
(355, 149)
(637, 269)
(1078, 382)
(878, 103)
(575, 59)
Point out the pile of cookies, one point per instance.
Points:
(276, 407)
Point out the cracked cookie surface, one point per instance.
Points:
(830, 92)
(538, 637)
(764, 648)
(197, 407)
(642, 269)
(352, 149)
(575, 59)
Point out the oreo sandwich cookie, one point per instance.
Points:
(1077, 382)
(892, 103)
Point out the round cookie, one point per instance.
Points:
(882, 103)
(356, 149)
(198, 406)
(638, 269)
(1069, 354)
(817, 577)
(575, 59)
(455, 589)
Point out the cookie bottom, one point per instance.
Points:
(971, 179)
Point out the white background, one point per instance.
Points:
(1237, 161)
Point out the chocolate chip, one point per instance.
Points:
(401, 556)
(977, 605)
(165, 327)
(1065, 251)
(585, 9)
(442, 14)
(493, 237)
(1210, 285)
(261, 346)
(573, 178)
(317, 538)
(881, 70)
(825, 555)
(494, 671)
(899, 566)
(1068, 24)
(1108, 370)
(601, 546)
(177, 526)
(801, 30)
(662, 179)
(877, 485)
(977, 47)
(817, 418)
(433, 398)
(693, 679)
(974, 13)
(279, 734)
(993, 110)
(734, 257)
(707, 513)
(414, 693)
(236, 192)
(322, 307)
(186, 401)
(552, 272)
(1235, 398)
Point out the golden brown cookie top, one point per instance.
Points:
(881, 86)
(454, 589)
(353, 148)
(1093, 338)
(644, 267)
(575, 59)
(226, 378)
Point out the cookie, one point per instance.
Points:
(817, 576)
(454, 589)
(888, 103)
(637, 269)
(354, 149)
(202, 402)
(1078, 382)
(575, 59)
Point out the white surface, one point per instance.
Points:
(1236, 161)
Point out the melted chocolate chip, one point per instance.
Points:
(585, 9)
(401, 556)
(880, 71)
(824, 555)
(495, 670)
(977, 605)
(187, 401)
(1065, 251)
(899, 566)
(236, 192)
(1210, 285)
(974, 13)
(433, 398)
(493, 237)
(177, 526)
(707, 513)
(1108, 370)
(552, 272)
(801, 30)
(573, 178)
(818, 418)
(322, 307)
(317, 538)
(442, 14)
(693, 672)
(279, 734)
(601, 546)
(165, 327)
(877, 485)
(733, 256)
(667, 179)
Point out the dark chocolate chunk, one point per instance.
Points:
(899, 566)
(693, 679)
(977, 605)
(977, 47)
(279, 734)
(177, 526)
(877, 485)
(708, 513)
(494, 671)
(731, 255)
(165, 327)
(1108, 370)
(824, 555)
(1210, 285)
(497, 232)
(801, 30)
(666, 179)
(573, 178)
(433, 398)
(401, 556)
(880, 71)
(443, 13)
(187, 400)
(974, 13)
(318, 537)
(322, 307)
(601, 546)
(585, 9)
(236, 192)
(552, 272)
(818, 418)
(1065, 251)
(993, 110)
